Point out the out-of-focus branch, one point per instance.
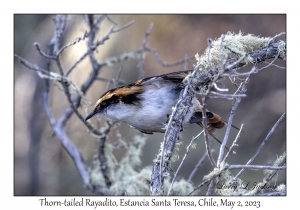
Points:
(141, 59)
(68, 145)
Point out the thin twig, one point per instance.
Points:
(142, 55)
(98, 43)
(113, 22)
(77, 40)
(233, 65)
(59, 132)
(101, 156)
(252, 71)
(220, 89)
(186, 153)
(280, 67)
(197, 166)
(227, 95)
(234, 143)
(38, 48)
(60, 25)
(124, 26)
(229, 122)
(256, 167)
(273, 38)
(207, 143)
(66, 90)
(267, 66)
(164, 64)
(262, 144)
(115, 81)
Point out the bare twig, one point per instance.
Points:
(273, 38)
(98, 43)
(115, 81)
(197, 166)
(101, 155)
(60, 23)
(187, 152)
(59, 132)
(262, 144)
(220, 89)
(229, 96)
(113, 22)
(234, 143)
(141, 59)
(207, 143)
(167, 65)
(38, 48)
(124, 27)
(229, 122)
(280, 67)
(77, 40)
(256, 167)
(267, 66)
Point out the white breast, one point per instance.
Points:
(156, 103)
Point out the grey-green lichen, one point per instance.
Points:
(278, 162)
(282, 49)
(234, 46)
(124, 175)
(225, 182)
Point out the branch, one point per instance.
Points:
(257, 167)
(174, 126)
(262, 144)
(141, 60)
(236, 102)
(68, 145)
(207, 143)
(197, 166)
(234, 143)
(168, 65)
(187, 152)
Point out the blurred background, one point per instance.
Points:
(42, 167)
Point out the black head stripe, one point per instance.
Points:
(131, 98)
(112, 100)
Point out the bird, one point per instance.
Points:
(147, 104)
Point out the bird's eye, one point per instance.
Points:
(104, 104)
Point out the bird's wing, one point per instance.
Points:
(176, 77)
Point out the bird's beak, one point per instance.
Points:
(91, 115)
